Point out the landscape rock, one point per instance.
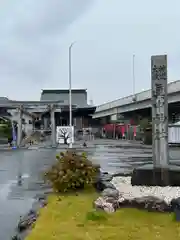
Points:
(105, 176)
(175, 206)
(175, 203)
(16, 237)
(149, 203)
(108, 185)
(109, 192)
(101, 185)
(27, 220)
(102, 204)
(41, 197)
(42, 202)
(103, 181)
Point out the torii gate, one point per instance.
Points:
(21, 107)
(50, 108)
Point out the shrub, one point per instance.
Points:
(71, 171)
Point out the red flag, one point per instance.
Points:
(134, 130)
(122, 131)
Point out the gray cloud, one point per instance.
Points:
(29, 38)
(35, 36)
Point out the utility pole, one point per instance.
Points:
(134, 80)
(70, 90)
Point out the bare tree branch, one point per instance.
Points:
(65, 134)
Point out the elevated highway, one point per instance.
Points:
(136, 102)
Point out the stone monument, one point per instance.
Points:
(160, 172)
(160, 117)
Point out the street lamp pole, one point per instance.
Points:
(134, 75)
(70, 90)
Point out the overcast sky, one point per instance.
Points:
(35, 36)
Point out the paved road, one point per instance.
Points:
(113, 156)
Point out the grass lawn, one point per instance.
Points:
(73, 218)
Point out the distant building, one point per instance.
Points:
(79, 96)
(81, 111)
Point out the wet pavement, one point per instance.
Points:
(113, 156)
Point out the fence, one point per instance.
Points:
(85, 134)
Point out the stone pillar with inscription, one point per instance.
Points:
(160, 173)
(160, 117)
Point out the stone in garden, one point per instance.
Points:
(175, 206)
(100, 186)
(109, 208)
(149, 203)
(16, 237)
(99, 203)
(108, 185)
(102, 204)
(113, 201)
(175, 203)
(102, 181)
(32, 212)
(42, 202)
(35, 207)
(154, 204)
(26, 221)
(41, 196)
(109, 192)
(105, 176)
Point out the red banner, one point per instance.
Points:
(134, 131)
(123, 130)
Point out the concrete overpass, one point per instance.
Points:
(133, 103)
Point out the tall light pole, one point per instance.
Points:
(70, 90)
(134, 74)
(133, 80)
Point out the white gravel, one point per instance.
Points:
(127, 191)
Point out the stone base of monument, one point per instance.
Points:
(147, 175)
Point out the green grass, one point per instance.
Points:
(72, 217)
